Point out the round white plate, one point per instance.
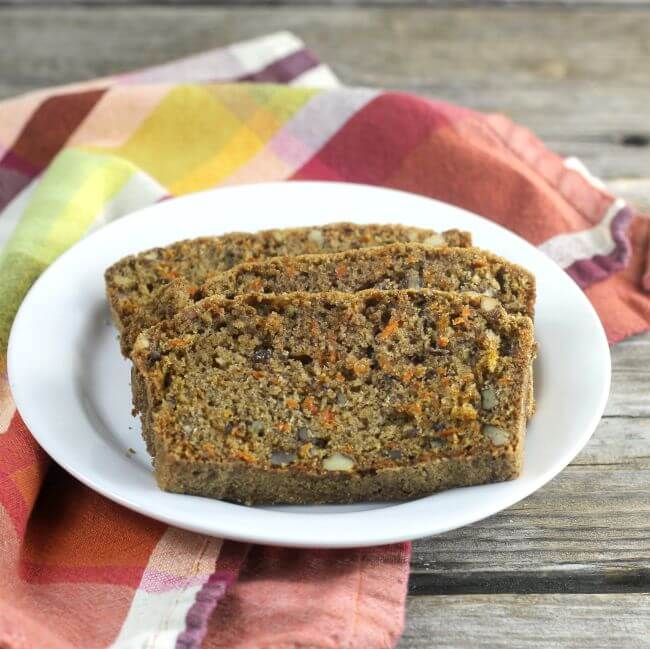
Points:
(71, 384)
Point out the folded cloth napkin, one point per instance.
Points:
(77, 570)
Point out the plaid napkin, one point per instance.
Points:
(77, 570)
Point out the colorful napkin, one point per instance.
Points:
(76, 570)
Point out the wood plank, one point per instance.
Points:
(528, 622)
(578, 78)
(588, 530)
(630, 391)
(619, 4)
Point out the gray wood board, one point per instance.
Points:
(578, 78)
(528, 622)
(541, 4)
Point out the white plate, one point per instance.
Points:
(72, 386)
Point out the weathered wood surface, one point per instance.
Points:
(620, 4)
(579, 78)
(533, 622)
(587, 531)
(570, 565)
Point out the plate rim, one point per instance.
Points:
(389, 536)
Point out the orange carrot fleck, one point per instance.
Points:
(388, 330)
(408, 375)
(209, 449)
(414, 408)
(309, 405)
(175, 343)
(292, 403)
(328, 418)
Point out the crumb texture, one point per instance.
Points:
(133, 282)
(396, 266)
(333, 396)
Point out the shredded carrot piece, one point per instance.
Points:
(209, 448)
(328, 418)
(408, 375)
(414, 408)
(309, 405)
(388, 330)
(175, 343)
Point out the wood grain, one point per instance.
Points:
(528, 622)
(578, 78)
(619, 4)
(585, 532)
(630, 394)
(588, 530)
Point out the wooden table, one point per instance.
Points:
(569, 566)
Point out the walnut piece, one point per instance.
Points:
(338, 462)
(498, 436)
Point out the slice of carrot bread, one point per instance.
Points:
(335, 397)
(396, 266)
(132, 283)
(393, 266)
(386, 267)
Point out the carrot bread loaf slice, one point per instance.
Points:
(396, 266)
(393, 266)
(335, 397)
(132, 283)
